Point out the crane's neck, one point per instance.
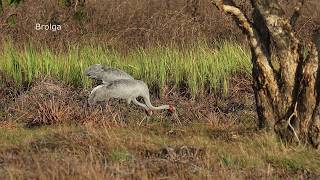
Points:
(160, 107)
(150, 106)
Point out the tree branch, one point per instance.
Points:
(307, 100)
(296, 13)
(267, 77)
(262, 30)
(278, 26)
(287, 46)
(316, 40)
(314, 125)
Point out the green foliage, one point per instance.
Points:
(198, 68)
(15, 1)
(11, 2)
(227, 160)
(79, 15)
(120, 155)
(65, 3)
(12, 20)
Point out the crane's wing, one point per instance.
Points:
(111, 74)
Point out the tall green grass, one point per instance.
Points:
(199, 67)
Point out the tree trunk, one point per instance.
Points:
(287, 97)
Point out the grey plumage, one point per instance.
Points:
(128, 89)
(105, 74)
(108, 75)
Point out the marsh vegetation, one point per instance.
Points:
(189, 54)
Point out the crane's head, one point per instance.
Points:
(171, 109)
(94, 71)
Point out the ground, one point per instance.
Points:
(47, 132)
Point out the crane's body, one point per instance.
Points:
(128, 89)
(119, 84)
(121, 88)
(107, 75)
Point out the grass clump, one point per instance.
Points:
(199, 68)
(120, 155)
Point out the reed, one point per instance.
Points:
(199, 67)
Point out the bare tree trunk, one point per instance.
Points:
(1, 6)
(287, 98)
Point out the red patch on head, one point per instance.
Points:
(171, 109)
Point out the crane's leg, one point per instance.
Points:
(147, 110)
(139, 124)
(91, 100)
(107, 105)
(145, 117)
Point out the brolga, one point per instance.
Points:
(128, 89)
(107, 75)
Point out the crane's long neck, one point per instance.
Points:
(135, 101)
(148, 103)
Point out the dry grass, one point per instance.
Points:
(136, 23)
(157, 150)
(47, 132)
(216, 139)
(49, 101)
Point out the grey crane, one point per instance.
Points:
(128, 89)
(108, 75)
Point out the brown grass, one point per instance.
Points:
(149, 152)
(216, 139)
(49, 101)
(135, 23)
